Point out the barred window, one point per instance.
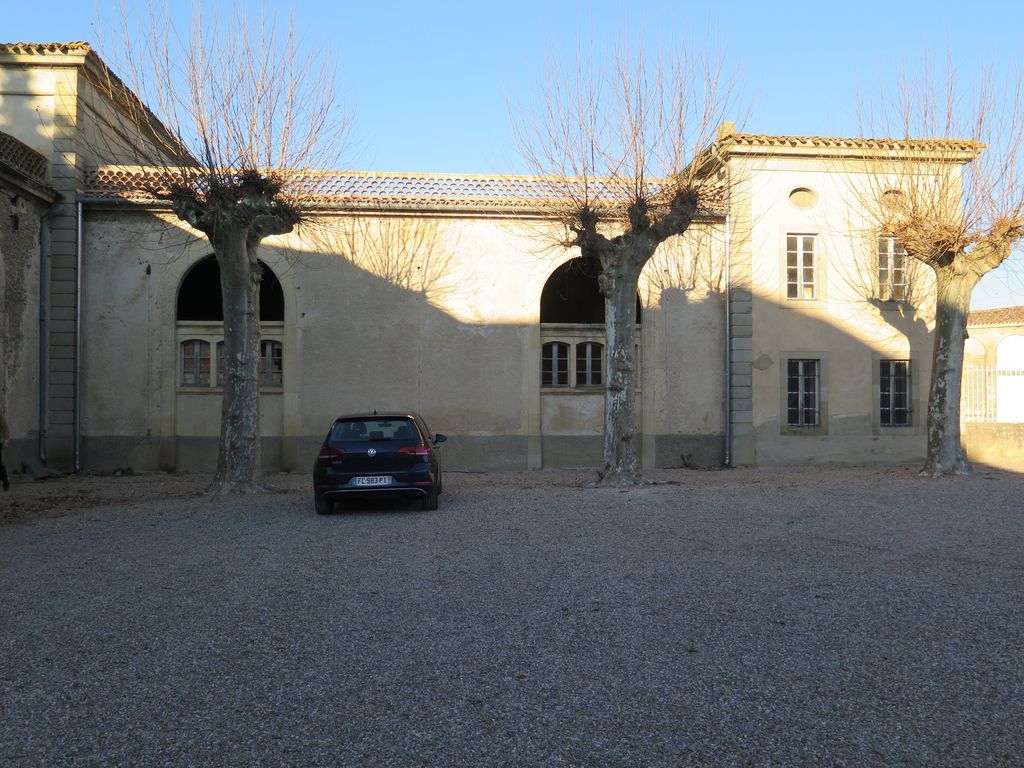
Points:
(894, 393)
(800, 267)
(195, 363)
(588, 364)
(892, 269)
(803, 379)
(554, 369)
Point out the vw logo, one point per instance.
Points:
(372, 452)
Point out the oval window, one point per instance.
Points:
(803, 197)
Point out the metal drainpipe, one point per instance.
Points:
(77, 429)
(44, 245)
(728, 319)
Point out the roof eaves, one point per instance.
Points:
(943, 149)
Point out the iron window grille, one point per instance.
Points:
(803, 382)
(894, 393)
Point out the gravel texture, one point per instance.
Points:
(746, 617)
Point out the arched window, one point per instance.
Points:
(572, 318)
(588, 364)
(200, 326)
(270, 364)
(195, 363)
(1010, 380)
(554, 364)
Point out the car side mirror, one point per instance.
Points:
(439, 438)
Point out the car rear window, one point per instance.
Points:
(355, 430)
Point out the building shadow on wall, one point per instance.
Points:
(356, 341)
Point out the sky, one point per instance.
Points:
(429, 84)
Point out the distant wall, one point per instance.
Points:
(1001, 445)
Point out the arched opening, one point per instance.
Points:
(200, 328)
(571, 295)
(200, 300)
(573, 363)
(1010, 380)
(572, 322)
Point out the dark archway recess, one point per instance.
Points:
(571, 294)
(199, 297)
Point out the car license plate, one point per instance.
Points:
(373, 480)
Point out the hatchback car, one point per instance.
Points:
(392, 453)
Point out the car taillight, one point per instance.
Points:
(331, 453)
(415, 450)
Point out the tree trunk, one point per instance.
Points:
(953, 298)
(618, 281)
(238, 464)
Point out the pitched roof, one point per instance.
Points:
(837, 142)
(998, 316)
(367, 189)
(37, 49)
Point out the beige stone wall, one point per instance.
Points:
(842, 325)
(19, 320)
(454, 333)
(463, 350)
(39, 104)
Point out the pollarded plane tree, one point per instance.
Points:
(244, 109)
(956, 205)
(627, 155)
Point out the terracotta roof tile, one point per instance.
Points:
(998, 316)
(21, 157)
(354, 189)
(36, 49)
(827, 142)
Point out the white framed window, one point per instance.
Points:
(554, 364)
(894, 393)
(195, 363)
(892, 269)
(801, 267)
(803, 387)
(589, 357)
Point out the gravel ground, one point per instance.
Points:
(747, 617)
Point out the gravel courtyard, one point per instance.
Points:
(745, 617)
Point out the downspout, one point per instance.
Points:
(44, 347)
(728, 317)
(77, 429)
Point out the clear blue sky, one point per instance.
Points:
(429, 81)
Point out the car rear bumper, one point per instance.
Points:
(336, 492)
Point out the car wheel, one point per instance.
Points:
(440, 484)
(430, 500)
(322, 506)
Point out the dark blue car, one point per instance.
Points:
(387, 453)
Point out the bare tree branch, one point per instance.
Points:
(628, 153)
(955, 200)
(246, 108)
